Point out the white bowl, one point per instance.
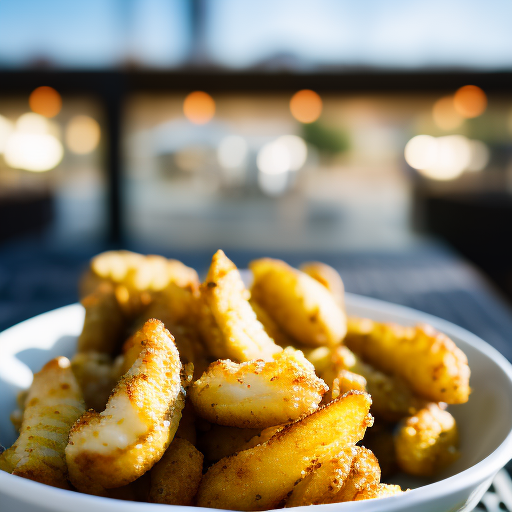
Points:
(485, 422)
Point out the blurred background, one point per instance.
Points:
(375, 136)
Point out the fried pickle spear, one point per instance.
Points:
(175, 478)
(299, 304)
(260, 478)
(135, 277)
(327, 276)
(392, 397)
(378, 491)
(53, 404)
(104, 321)
(113, 448)
(226, 319)
(258, 394)
(427, 442)
(323, 480)
(428, 360)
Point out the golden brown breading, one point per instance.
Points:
(428, 360)
(115, 447)
(54, 403)
(378, 491)
(258, 394)
(175, 478)
(104, 322)
(364, 473)
(262, 437)
(135, 277)
(299, 304)
(260, 478)
(227, 321)
(323, 480)
(427, 442)
(327, 276)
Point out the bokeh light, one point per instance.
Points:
(480, 156)
(445, 115)
(297, 150)
(470, 101)
(32, 123)
(45, 101)
(83, 134)
(199, 107)
(6, 128)
(442, 158)
(273, 158)
(232, 152)
(36, 152)
(306, 106)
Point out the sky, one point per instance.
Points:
(243, 33)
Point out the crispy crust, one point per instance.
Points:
(299, 304)
(115, 447)
(227, 321)
(258, 394)
(261, 478)
(428, 360)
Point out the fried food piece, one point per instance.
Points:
(392, 397)
(104, 322)
(113, 448)
(260, 478)
(96, 376)
(319, 357)
(378, 491)
(258, 394)
(17, 415)
(327, 276)
(220, 441)
(323, 480)
(364, 472)
(53, 404)
(135, 277)
(427, 442)
(301, 306)
(227, 321)
(428, 360)
(175, 479)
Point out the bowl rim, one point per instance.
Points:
(63, 499)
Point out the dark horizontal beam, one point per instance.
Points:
(342, 82)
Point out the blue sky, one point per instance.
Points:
(241, 33)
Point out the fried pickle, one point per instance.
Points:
(54, 402)
(427, 442)
(260, 478)
(428, 360)
(299, 304)
(227, 321)
(258, 394)
(113, 448)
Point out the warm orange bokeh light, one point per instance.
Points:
(445, 115)
(306, 106)
(199, 107)
(45, 101)
(470, 101)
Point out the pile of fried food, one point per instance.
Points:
(218, 396)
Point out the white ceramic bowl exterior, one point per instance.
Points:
(485, 422)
